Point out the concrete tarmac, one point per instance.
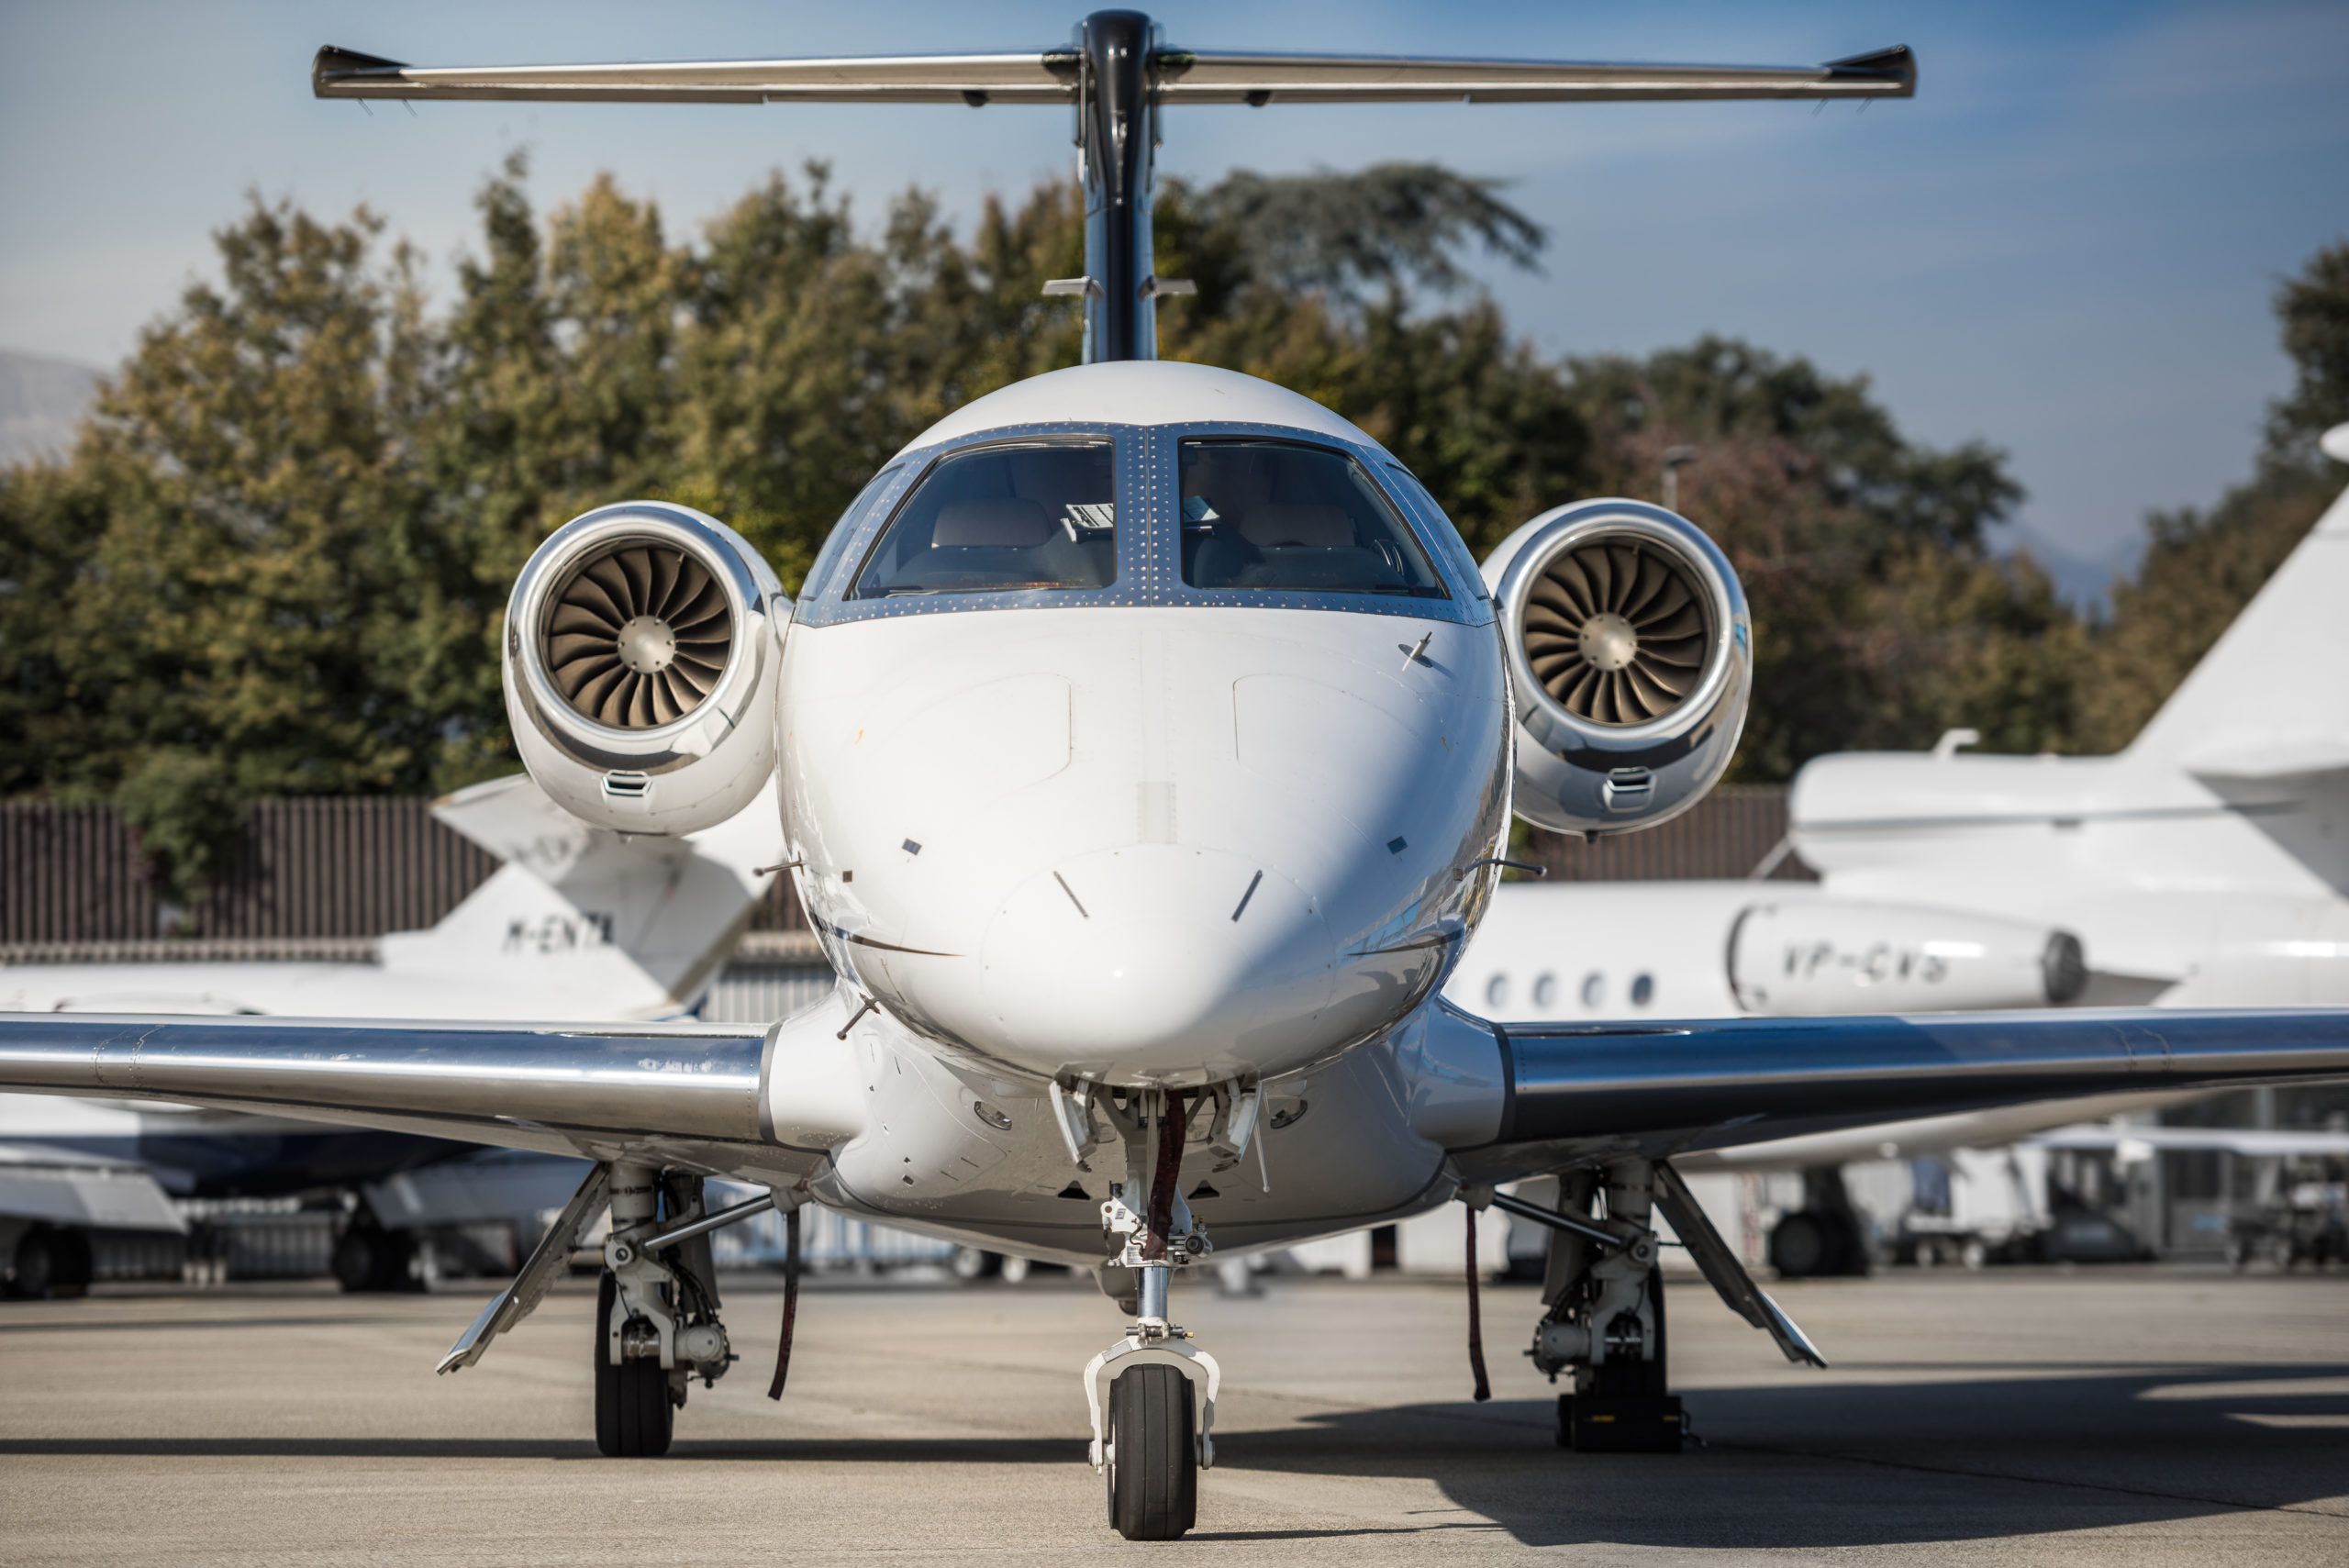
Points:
(2137, 1415)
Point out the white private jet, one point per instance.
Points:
(578, 921)
(1146, 740)
(2206, 865)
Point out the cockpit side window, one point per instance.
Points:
(1037, 515)
(1286, 516)
(1447, 538)
(828, 558)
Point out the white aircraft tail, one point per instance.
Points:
(2268, 701)
(600, 924)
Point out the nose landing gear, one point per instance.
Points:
(1154, 1441)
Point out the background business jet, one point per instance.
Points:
(2206, 865)
(578, 921)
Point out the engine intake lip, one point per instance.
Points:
(1633, 528)
(755, 610)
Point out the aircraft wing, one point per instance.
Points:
(68, 1188)
(1053, 76)
(1579, 1092)
(698, 1097)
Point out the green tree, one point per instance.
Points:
(238, 560)
(2201, 568)
(279, 558)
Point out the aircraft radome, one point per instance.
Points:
(1146, 741)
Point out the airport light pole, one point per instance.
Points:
(1674, 459)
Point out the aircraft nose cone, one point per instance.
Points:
(1156, 963)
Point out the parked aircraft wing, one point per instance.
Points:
(2256, 1142)
(1658, 1089)
(692, 1096)
(1053, 76)
(64, 1188)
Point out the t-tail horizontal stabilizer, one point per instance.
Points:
(1118, 73)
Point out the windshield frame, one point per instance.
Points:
(854, 588)
(1365, 474)
(1148, 486)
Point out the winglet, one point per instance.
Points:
(1898, 63)
(331, 63)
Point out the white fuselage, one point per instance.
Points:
(1139, 846)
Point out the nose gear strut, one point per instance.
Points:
(1148, 1446)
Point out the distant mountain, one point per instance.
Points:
(41, 402)
(2082, 579)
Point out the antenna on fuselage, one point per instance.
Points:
(1117, 74)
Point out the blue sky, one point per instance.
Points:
(2066, 245)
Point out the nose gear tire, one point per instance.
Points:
(633, 1415)
(1152, 1454)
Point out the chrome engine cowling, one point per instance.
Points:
(643, 643)
(1630, 659)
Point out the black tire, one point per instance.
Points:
(358, 1259)
(970, 1264)
(1801, 1246)
(51, 1264)
(1153, 1459)
(369, 1258)
(34, 1267)
(633, 1417)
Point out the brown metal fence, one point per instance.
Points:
(1730, 834)
(323, 866)
(354, 867)
(70, 873)
(320, 867)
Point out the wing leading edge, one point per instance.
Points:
(733, 1099)
(1574, 1091)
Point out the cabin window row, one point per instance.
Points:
(1546, 992)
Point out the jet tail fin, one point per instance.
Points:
(599, 923)
(2266, 702)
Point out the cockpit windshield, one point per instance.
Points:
(1284, 516)
(1002, 517)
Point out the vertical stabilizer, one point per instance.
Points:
(2268, 700)
(584, 922)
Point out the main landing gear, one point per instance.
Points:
(1152, 1440)
(656, 1313)
(1604, 1325)
(656, 1306)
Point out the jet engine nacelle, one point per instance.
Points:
(1807, 957)
(1630, 657)
(642, 648)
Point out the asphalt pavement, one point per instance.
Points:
(2132, 1415)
